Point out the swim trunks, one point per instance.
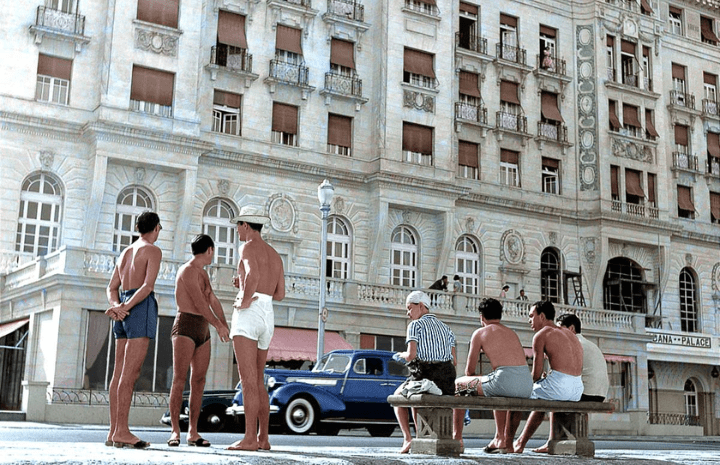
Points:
(558, 386)
(508, 382)
(257, 322)
(196, 327)
(142, 319)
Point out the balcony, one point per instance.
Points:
(634, 209)
(551, 64)
(710, 108)
(713, 166)
(343, 86)
(684, 161)
(509, 122)
(302, 3)
(471, 113)
(512, 54)
(59, 25)
(630, 80)
(552, 131)
(151, 108)
(471, 42)
(291, 74)
(346, 9)
(418, 6)
(628, 5)
(682, 99)
(232, 58)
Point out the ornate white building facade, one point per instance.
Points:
(569, 149)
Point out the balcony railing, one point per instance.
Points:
(677, 419)
(611, 74)
(469, 112)
(61, 21)
(472, 42)
(630, 5)
(713, 166)
(648, 84)
(233, 58)
(710, 107)
(289, 72)
(635, 209)
(685, 161)
(347, 9)
(151, 108)
(511, 122)
(510, 53)
(422, 7)
(305, 3)
(346, 85)
(551, 64)
(682, 99)
(553, 131)
(630, 80)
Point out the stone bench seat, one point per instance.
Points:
(434, 421)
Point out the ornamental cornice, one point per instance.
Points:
(139, 137)
(46, 127)
(399, 182)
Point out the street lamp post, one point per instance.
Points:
(325, 195)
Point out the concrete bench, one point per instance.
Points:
(434, 421)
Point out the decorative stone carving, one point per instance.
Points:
(407, 216)
(716, 277)
(469, 225)
(587, 104)
(139, 174)
(223, 186)
(589, 247)
(513, 247)
(339, 205)
(46, 158)
(283, 213)
(688, 259)
(632, 150)
(553, 238)
(418, 101)
(157, 42)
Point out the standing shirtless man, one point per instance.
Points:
(261, 280)
(134, 310)
(564, 382)
(197, 309)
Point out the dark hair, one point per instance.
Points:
(490, 309)
(146, 221)
(570, 319)
(456, 278)
(506, 287)
(522, 290)
(546, 308)
(254, 226)
(201, 244)
(444, 277)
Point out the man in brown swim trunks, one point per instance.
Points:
(197, 309)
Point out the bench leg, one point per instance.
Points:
(434, 428)
(569, 435)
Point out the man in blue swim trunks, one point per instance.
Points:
(134, 311)
(564, 382)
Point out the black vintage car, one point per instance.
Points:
(212, 414)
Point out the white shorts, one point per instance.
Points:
(256, 322)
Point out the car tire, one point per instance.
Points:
(212, 419)
(299, 416)
(381, 431)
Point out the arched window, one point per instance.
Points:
(216, 224)
(688, 301)
(38, 229)
(467, 264)
(338, 248)
(691, 402)
(624, 286)
(550, 275)
(403, 250)
(131, 201)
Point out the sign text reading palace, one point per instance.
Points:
(677, 340)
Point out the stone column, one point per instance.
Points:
(188, 184)
(34, 399)
(94, 204)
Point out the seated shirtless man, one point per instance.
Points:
(510, 376)
(564, 382)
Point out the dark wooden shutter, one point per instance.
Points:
(163, 12)
(469, 84)
(417, 62)
(152, 85)
(632, 183)
(342, 53)
(339, 130)
(226, 98)
(288, 39)
(417, 138)
(231, 29)
(685, 198)
(284, 118)
(508, 156)
(681, 134)
(509, 92)
(60, 68)
(549, 107)
(468, 154)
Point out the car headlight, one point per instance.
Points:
(271, 382)
(187, 410)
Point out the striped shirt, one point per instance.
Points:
(434, 338)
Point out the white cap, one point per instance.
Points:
(416, 297)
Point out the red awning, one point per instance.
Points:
(301, 344)
(7, 328)
(619, 358)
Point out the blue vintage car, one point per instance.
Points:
(347, 389)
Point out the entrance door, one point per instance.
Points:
(12, 366)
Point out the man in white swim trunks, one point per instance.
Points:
(261, 280)
(510, 376)
(565, 354)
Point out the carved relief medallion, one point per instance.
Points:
(282, 213)
(513, 247)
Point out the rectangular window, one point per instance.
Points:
(467, 36)
(715, 207)
(678, 92)
(509, 168)
(628, 63)
(615, 182)
(231, 46)
(551, 123)
(548, 37)
(163, 12)
(675, 20)
(418, 68)
(342, 57)
(417, 144)
(652, 192)
(647, 69)
(66, 6)
(550, 176)
(288, 44)
(650, 131)
(226, 113)
(509, 105)
(339, 134)
(634, 193)
(615, 125)
(686, 206)
(710, 105)
(713, 153)
(610, 54)
(428, 7)
(377, 342)
(53, 79)
(152, 91)
(508, 38)
(681, 139)
(631, 122)
(284, 124)
(620, 391)
(707, 30)
(468, 160)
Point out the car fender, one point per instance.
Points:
(329, 404)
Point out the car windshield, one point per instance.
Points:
(333, 363)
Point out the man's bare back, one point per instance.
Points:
(563, 349)
(260, 270)
(189, 280)
(133, 263)
(500, 343)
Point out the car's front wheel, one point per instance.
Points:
(299, 416)
(212, 419)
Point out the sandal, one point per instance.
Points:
(199, 442)
(174, 442)
(470, 388)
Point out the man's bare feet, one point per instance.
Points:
(405, 448)
(517, 448)
(243, 445)
(263, 445)
(542, 449)
(127, 438)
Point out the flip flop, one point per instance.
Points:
(174, 442)
(494, 450)
(109, 443)
(199, 442)
(137, 445)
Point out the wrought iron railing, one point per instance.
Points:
(61, 21)
(713, 165)
(685, 161)
(551, 64)
(648, 84)
(511, 53)
(682, 99)
(630, 80)
(469, 112)
(512, 122)
(305, 3)
(611, 74)
(289, 72)
(347, 9)
(92, 397)
(347, 85)
(233, 58)
(471, 42)
(678, 419)
(553, 131)
(422, 7)
(710, 107)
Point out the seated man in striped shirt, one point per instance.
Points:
(430, 353)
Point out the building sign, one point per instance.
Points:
(687, 341)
